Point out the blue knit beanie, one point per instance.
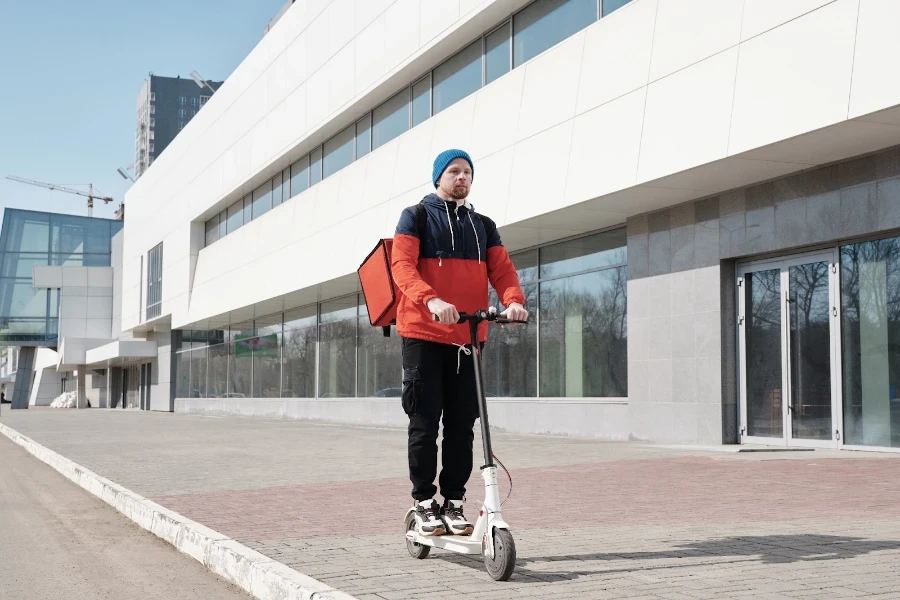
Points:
(445, 158)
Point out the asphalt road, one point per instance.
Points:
(58, 541)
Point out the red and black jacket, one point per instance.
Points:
(454, 261)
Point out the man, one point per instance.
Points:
(443, 256)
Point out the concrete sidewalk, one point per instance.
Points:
(591, 519)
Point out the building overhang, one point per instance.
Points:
(120, 352)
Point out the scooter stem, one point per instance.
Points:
(482, 403)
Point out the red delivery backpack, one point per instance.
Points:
(379, 290)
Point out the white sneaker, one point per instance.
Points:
(456, 521)
(428, 517)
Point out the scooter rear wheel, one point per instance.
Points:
(415, 550)
(501, 567)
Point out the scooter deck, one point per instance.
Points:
(453, 543)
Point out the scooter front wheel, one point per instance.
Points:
(415, 550)
(501, 567)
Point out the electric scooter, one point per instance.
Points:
(491, 537)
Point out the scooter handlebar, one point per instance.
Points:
(485, 315)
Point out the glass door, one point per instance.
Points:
(788, 334)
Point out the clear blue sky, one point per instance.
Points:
(70, 73)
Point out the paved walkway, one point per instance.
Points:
(591, 519)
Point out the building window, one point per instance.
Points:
(300, 176)
(204, 100)
(248, 208)
(379, 359)
(152, 148)
(315, 166)
(391, 119)
(152, 122)
(421, 100)
(337, 348)
(299, 354)
(278, 189)
(363, 136)
(180, 125)
(235, 218)
(182, 113)
(339, 151)
(870, 331)
(578, 330)
(195, 102)
(240, 361)
(212, 230)
(543, 24)
(612, 5)
(152, 96)
(262, 200)
(182, 101)
(458, 77)
(266, 352)
(193, 113)
(497, 53)
(152, 135)
(152, 109)
(154, 282)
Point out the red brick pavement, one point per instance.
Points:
(632, 492)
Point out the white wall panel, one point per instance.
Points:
(597, 168)
(401, 31)
(688, 31)
(341, 24)
(875, 82)
(497, 114)
(551, 87)
(366, 12)
(318, 46)
(763, 15)
(317, 90)
(687, 116)
(341, 76)
(617, 55)
(490, 190)
(413, 166)
(380, 166)
(539, 167)
(435, 17)
(453, 127)
(794, 78)
(371, 49)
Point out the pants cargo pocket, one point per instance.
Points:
(412, 389)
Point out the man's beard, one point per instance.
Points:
(459, 193)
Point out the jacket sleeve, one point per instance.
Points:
(502, 273)
(405, 260)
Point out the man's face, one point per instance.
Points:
(457, 179)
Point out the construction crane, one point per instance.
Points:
(91, 196)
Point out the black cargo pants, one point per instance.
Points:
(432, 388)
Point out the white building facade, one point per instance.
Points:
(701, 197)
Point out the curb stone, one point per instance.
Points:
(253, 572)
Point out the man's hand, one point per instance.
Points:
(445, 312)
(515, 312)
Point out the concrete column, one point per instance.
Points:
(81, 400)
(24, 376)
(109, 388)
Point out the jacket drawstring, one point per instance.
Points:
(450, 223)
(462, 350)
(477, 243)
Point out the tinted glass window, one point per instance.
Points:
(380, 365)
(510, 359)
(339, 151)
(267, 366)
(240, 367)
(217, 380)
(299, 354)
(545, 23)
(458, 77)
(497, 54)
(277, 188)
(315, 166)
(262, 199)
(183, 376)
(235, 216)
(583, 338)
(592, 252)
(223, 230)
(363, 136)
(337, 348)
(212, 230)
(612, 5)
(248, 209)
(390, 119)
(198, 373)
(300, 176)
(421, 103)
